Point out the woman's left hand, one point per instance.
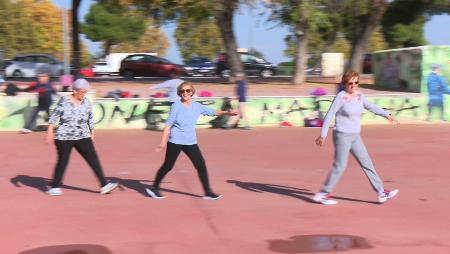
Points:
(233, 113)
(392, 120)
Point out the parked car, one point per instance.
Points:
(28, 66)
(101, 68)
(253, 66)
(200, 66)
(367, 63)
(141, 65)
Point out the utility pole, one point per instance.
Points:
(66, 46)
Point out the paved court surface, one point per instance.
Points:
(267, 177)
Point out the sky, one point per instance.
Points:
(253, 31)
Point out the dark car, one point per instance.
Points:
(253, 66)
(200, 66)
(367, 63)
(141, 65)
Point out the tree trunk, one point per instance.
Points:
(76, 55)
(224, 20)
(107, 47)
(365, 30)
(301, 55)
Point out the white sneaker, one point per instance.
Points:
(386, 194)
(324, 198)
(54, 191)
(25, 131)
(212, 196)
(108, 188)
(154, 193)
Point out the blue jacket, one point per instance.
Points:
(437, 87)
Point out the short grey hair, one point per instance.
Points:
(80, 83)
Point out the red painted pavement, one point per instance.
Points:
(267, 177)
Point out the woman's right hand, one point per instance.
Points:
(49, 138)
(320, 141)
(159, 148)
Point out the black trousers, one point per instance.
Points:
(194, 154)
(34, 115)
(86, 148)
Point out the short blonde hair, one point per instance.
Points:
(349, 75)
(183, 85)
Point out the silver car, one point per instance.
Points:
(29, 66)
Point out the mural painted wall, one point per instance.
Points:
(262, 111)
(398, 69)
(408, 69)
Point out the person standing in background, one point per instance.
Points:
(171, 86)
(437, 87)
(45, 89)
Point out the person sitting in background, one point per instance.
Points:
(45, 89)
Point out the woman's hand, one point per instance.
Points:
(320, 141)
(232, 113)
(160, 148)
(392, 120)
(49, 138)
(50, 134)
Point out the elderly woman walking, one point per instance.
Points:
(179, 135)
(348, 106)
(74, 128)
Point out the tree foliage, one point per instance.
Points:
(112, 23)
(32, 27)
(197, 37)
(152, 41)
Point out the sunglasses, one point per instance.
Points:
(185, 90)
(353, 83)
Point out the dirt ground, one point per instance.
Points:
(267, 177)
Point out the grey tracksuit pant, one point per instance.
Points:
(343, 144)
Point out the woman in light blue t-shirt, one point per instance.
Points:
(179, 135)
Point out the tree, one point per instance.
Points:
(404, 20)
(221, 11)
(19, 33)
(76, 53)
(153, 40)
(32, 27)
(196, 37)
(296, 14)
(361, 20)
(106, 22)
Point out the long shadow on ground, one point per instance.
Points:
(302, 194)
(40, 183)
(140, 185)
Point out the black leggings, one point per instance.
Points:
(86, 148)
(194, 154)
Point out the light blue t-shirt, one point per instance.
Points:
(348, 113)
(183, 119)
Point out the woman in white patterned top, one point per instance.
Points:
(73, 123)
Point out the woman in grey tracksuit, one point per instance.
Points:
(348, 106)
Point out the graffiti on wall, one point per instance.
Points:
(152, 113)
